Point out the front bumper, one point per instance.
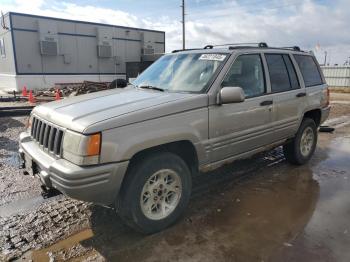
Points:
(99, 184)
(325, 113)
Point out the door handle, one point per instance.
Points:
(301, 95)
(266, 103)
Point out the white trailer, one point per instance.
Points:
(39, 51)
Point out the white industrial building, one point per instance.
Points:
(39, 51)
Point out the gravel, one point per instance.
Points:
(35, 226)
(13, 184)
(53, 221)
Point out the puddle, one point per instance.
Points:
(338, 122)
(279, 213)
(246, 223)
(11, 159)
(44, 255)
(20, 206)
(327, 235)
(338, 153)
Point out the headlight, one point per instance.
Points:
(82, 149)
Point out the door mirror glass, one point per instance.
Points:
(121, 83)
(230, 94)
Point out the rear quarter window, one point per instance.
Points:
(309, 70)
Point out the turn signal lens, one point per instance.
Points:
(94, 145)
(29, 122)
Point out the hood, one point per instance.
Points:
(112, 108)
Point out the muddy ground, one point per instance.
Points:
(260, 209)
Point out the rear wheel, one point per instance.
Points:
(155, 193)
(301, 148)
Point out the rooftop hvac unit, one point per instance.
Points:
(48, 47)
(104, 51)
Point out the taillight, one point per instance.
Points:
(325, 97)
(328, 97)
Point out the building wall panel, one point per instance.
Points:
(28, 55)
(337, 76)
(7, 62)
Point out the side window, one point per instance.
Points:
(247, 72)
(293, 79)
(309, 70)
(2, 47)
(279, 77)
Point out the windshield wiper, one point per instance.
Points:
(151, 87)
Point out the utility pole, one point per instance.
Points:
(183, 25)
(325, 57)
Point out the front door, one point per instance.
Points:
(238, 128)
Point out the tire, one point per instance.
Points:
(294, 151)
(161, 180)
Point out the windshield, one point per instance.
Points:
(181, 72)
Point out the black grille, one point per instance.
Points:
(49, 137)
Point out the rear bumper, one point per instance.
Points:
(325, 113)
(99, 184)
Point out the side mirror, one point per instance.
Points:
(230, 94)
(120, 83)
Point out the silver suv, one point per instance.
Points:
(137, 148)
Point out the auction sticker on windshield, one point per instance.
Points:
(213, 57)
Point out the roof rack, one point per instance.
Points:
(239, 45)
(243, 45)
(295, 48)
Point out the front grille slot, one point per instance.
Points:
(41, 134)
(58, 142)
(33, 127)
(52, 138)
(37, 134)
(48, 136)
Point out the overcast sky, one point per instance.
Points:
(305, 23)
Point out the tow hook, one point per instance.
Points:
(49, 192)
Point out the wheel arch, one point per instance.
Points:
(183, 148)
(314, 114)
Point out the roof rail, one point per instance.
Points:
(261, 44)
(209, 47)
(243, 45)
(180, 50)
(295, 48)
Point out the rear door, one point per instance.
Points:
(314, 82)
(288, 95)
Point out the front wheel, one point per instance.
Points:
(301, 148)
(156, 192)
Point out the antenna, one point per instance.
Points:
(3, 25)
